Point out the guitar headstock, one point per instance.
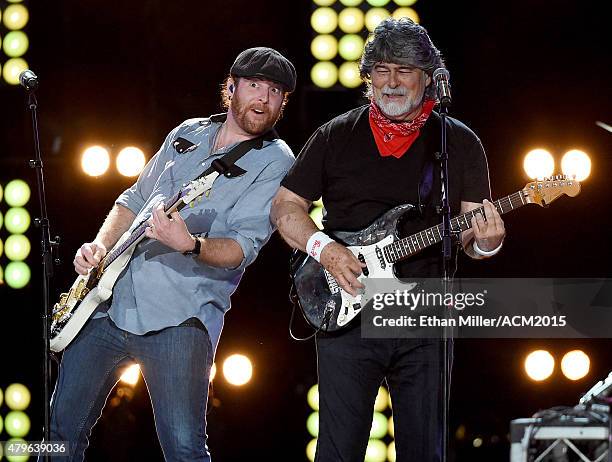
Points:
(543, 192)
(196, 188)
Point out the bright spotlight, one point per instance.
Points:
(477, 442)
(11, 70)
(405, 2)
(131, 375)
(406, 13)
(382, 400)
(237, 369)
(351, 2)
(380, 425)
(539, 163)
(324, 47)
(391, 428)
(1, 223)
(17, 247)
(539, 365)
(376, 451)
(15, 43)
(378, 2)
(17, 193)
(577, 164)
(17, 275)
(311, 449)
(312, 424)
(17, 220)
(324, 74)
(213, 372)
(15, 17)
(391, 456)
(17, 424)
(130, 161)
(324, 20)
(374, 17)
(324, 2)
(350, 47)
(95, 160)
(351, 20)
(17, 397)
(575, 364)
(313, 397)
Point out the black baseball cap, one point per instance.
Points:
(266, 63)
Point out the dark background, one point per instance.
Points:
(524, 74)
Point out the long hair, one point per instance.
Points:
(401, 41)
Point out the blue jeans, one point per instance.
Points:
(175, 363)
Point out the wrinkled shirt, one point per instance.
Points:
(161, 287)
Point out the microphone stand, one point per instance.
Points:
(48, 248)
(447, 345)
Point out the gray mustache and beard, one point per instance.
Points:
(248, 121)
(396, 108)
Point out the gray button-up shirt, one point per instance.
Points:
(161, 287)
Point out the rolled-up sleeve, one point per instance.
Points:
(135, 197)
(249, 221)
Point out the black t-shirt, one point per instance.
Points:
(341, 163)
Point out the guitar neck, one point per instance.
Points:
(173, 204)
(404, 248)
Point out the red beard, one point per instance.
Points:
(249, 121)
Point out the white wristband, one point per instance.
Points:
(317, 243)
(486, 253)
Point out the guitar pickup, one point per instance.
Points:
(365, 270)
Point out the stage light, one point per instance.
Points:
(17, 397)
(95, 160)
(391, 428)
(351, 20)
(213, 372)
(15, 17)
(539, 365)
(313, 397)
(351, 2)
(17, 247)
(324, 2)
(131, 374)
(1, 394)
(376, 451)
(460, 432)
(17, 275)
(477, 442)
(539, 163)
(317, 216)
(1, 425)
(348, 75)
(576, 164)
(17, 193)
(406, 13)
(15, 43)
(1, 283)
(1, 192)
(17, 424)
(575, 364)
(237, 369)
(131, 161)
(378, 2)
(17, 220)
(350, 47)
(11, 70)
(374, 17)
(312, 424)
(391, 456)
(324, 74)
(382, 400)
(311, 450)
(379, 426)
(324, 47)
(405, 2)
(324, 20)
(1, 220)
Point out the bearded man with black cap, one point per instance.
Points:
(168, 305)
(363, 163)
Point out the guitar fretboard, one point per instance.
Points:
(138, 234)
(404, 248)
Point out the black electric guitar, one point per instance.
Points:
(326, 306)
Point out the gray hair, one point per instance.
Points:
(401, 41)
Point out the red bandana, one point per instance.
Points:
(394, 138)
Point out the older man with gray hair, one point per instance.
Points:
(363, 163)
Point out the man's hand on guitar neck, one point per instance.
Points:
(343, 266)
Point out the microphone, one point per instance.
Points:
(28, 80)
(441, 79)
